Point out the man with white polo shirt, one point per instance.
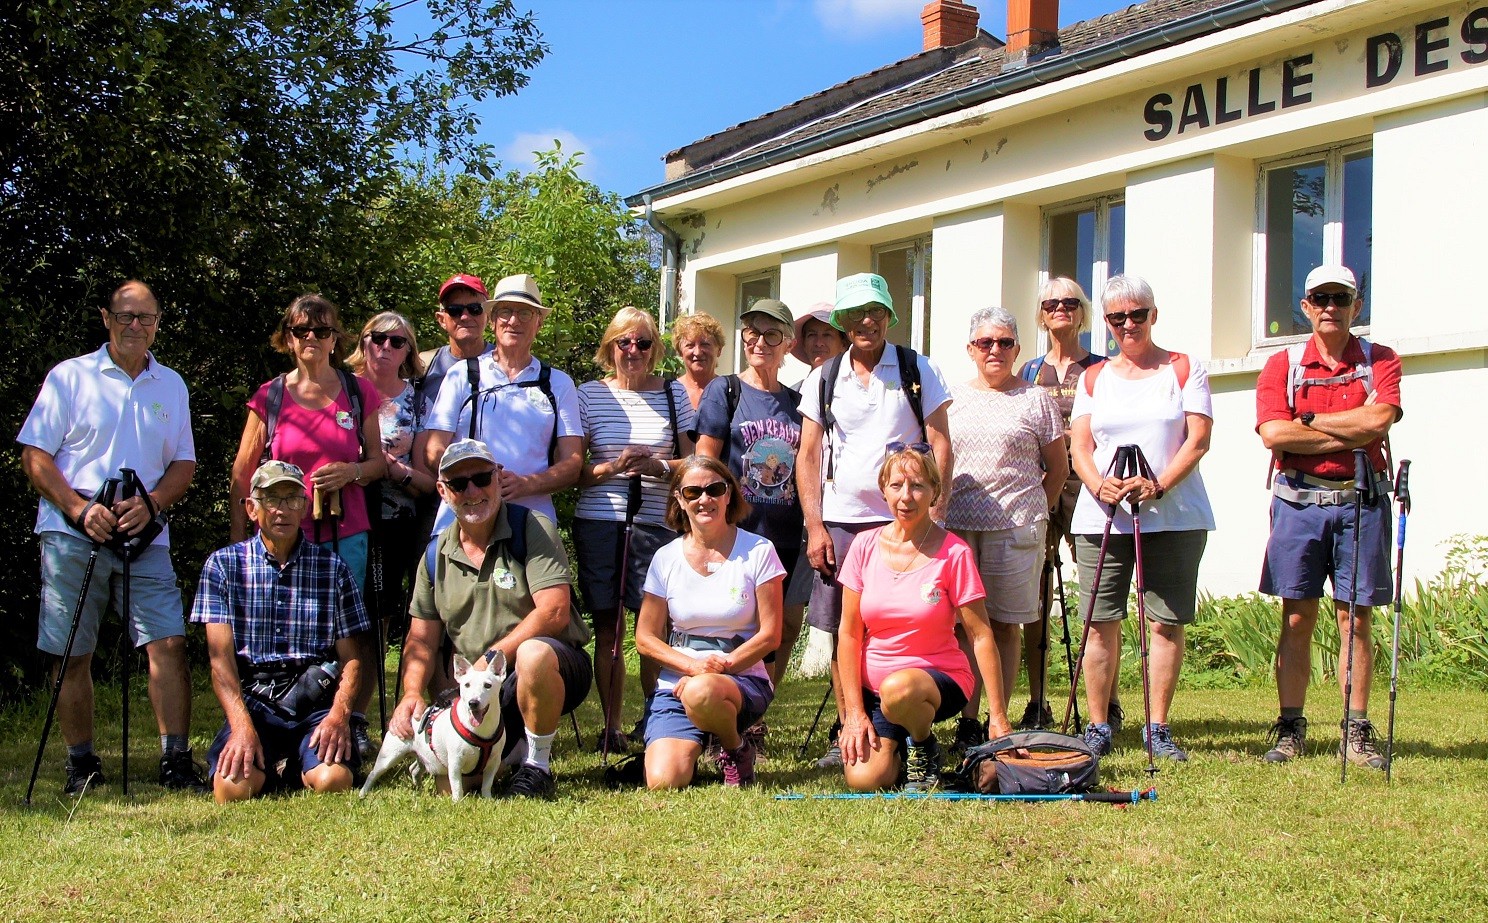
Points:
(524, 410)
(855, 405)
(114, 408)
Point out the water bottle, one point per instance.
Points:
(311, 690)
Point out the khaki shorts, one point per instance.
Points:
(1011, 562)
(1170, 561)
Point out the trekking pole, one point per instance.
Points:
(1402, 496)
(1100, 564)
(376, 580)
(811, 731)
(1096, 797)
(1069, 650)
(611, 711)
(1046, 600)
(1137, 467)
(130, 486)
(1363, 479)
(103, 497)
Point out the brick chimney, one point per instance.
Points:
(948, 23)
(1031, 24)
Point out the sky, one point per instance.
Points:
(627, 81)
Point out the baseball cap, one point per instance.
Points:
(518, 289)
(860, 289)
(471, 282)
(1330, 273)
(465, 450)
(277, 472)
(771, 308)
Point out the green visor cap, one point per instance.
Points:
(860, 290)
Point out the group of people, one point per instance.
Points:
(909, 519)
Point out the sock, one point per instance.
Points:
(1358, 714)
(171, 743)
(1289, 714)
(539, 749)
(78, 751)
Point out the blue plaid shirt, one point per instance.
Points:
(292, 614)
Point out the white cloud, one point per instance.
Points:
(520, 153)
(861, 18)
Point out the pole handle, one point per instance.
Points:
(1402, 487)
(633, 498)
(1363, 476)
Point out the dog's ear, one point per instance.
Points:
(496, 661)
(462, 666)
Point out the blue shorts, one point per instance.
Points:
(354, 551)
(154, 598)
(1310, 542)
(598, 544)
(281, 739)
(952, 700)
(666, 717)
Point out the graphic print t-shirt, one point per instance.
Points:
(762, 440)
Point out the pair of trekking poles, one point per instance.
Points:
(127, 547)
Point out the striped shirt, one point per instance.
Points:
(613, 419)
(280, 615)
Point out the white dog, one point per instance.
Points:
(465, 738)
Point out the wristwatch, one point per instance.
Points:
(407, 479)
(1307, 418)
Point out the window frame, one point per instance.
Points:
(921, 257)
(1100, 259)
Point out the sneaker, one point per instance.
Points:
(832, 759)
(1290, 737)
(619, 743)
(179, 772)
(530, 781)
(1360, 747)
(1115, 717)
(969, 733)
(361, 739)
(738, 765)
(1036, 716)
(922, 766)
(1098, 738)
(83, 773)
(1163, 747)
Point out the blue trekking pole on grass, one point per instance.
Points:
(1402, 496)
(1099, 797)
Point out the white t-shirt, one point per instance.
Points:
(515, 423)
(1148, 412)
(719, 605)
(868, 418)
(93, 419)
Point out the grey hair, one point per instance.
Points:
(993, 317)
(1129, 290)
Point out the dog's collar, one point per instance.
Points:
(467, 734)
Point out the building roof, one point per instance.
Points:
(932, 82)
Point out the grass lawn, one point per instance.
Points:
(1230, 838)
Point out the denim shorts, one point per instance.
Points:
(666, 718)
(154, 598)
(952, 700)
(281, 739)
(1310, 542)
(598, 544)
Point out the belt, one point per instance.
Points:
(1321, 491)
(704, 642)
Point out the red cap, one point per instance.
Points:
(470, 282)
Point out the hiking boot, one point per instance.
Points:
(1162, 743)
(1098, 738)
(361, 739)
(82, 773)
(1360, 746)
(1115, 717)
(738, 765)
(179, 772)
(756, 734)
(832, 759)
(1036, 716)
(530, 781)
(922, 766)
(969, 733)
(1290, 737)
(619, 743)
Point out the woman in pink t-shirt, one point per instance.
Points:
(904, 585)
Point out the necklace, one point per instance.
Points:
(914, 552)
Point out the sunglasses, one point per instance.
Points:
(877, 312)
(896, 446)
(692, 491)
(1323, 299)
(1054, 304)
(1119, 318)
(457, 311)
(642, 344)
(985, 344)
(481, 480)
(771, 337)
(305, 333)
(382, 339)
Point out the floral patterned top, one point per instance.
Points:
(399, 425)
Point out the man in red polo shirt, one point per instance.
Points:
(1314, 406)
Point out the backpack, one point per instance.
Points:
(516, 546)
(543, 382)
(1032, 368)
(909, 383)
(1054, 764)
(1180, 363)
(1296, 382)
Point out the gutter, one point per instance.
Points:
(1056, 67)
(671, 250)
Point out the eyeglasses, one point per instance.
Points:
(896, 446)
(457, 311)
(752, 336)
(524, 315)
(642, 344)
(126, 318)
(1050, 305)
(875, 312)
(1119, 318)
(481, 480)
(1317, 299)
(306, 333)
(692, 491)
(288, 504)
(985, 344)
(381, 339)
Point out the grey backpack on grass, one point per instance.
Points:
(1049, 764)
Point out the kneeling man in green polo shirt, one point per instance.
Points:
(497, 579)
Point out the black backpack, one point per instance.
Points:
(275, 401)
(543, 382)
(909, 382)
(1053, 764)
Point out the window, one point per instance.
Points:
(1086, 241)
(905, 266)
(1314, 208)
(755, 287)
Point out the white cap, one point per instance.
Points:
(1333, 273)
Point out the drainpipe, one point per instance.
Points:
(671, 249)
